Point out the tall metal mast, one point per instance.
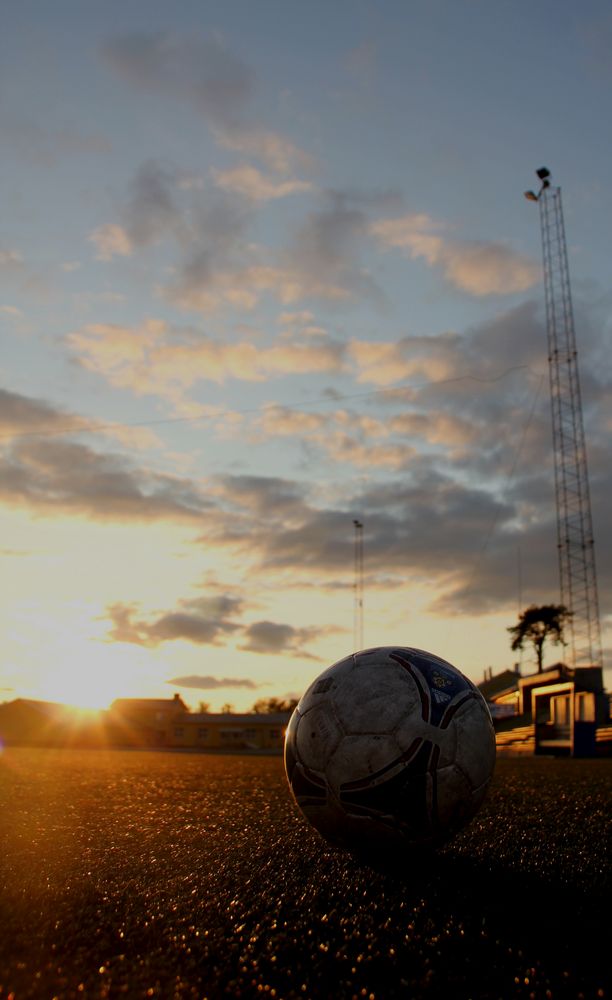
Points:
(358, 609)
(575, 544)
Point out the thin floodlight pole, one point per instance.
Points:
(358, 587)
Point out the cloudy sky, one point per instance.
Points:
(267, 268)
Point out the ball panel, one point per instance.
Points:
(403, 800)
(475, 737)
(443, 681)
(376, 695)
(317, 736)
(360, 757)
(308, 787)
(290, 744)
(326, 683)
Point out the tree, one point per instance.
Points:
(227, 709)
(267, 706)
(536, 624)
(203, 707)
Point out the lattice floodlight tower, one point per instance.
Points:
(577, 573)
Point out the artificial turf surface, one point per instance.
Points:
(167, 875)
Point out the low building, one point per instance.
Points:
(225, 731)
(147, 723)
(167, 722)
(143, 722)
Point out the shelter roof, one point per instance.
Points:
(507, 680)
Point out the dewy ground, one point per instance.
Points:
(178, 875)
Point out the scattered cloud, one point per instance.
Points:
(160, 360)
(46, 147)
(204, 290)
(284, 421)
(249, 182)
(111, 240)
(476, 487)
(59, 477)
(193, 621)
(273, 150)
(210, 622)
(424, 358)
(326, 251)
(199, 70)
(151, 211)
(296, 319)
(273, 638)
(266, 498)
(207, 683)
(477, 267)
(349, 448)
(213, 80)
(10, 260)
(21, 415)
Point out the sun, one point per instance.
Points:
(94, 674)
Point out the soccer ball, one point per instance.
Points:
(390, 747)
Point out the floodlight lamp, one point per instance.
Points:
(530, 196)
(543, 173)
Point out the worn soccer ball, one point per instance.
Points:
(390, 747)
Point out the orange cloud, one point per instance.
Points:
(479, 268)
(243, 287)
(426, 358)
(111, 240)
(251, 183)
(277, 152)
(154, 360)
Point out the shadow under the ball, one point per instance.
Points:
(520, 905)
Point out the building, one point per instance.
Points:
(167, 722)
(147, 723)
(229, 731)
(28, 722)
(558, 711)
(143, 722)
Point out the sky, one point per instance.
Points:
(265, 269)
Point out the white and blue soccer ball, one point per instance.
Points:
(390, 747)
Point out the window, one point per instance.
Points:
(179, 731)
(561, 710)
(585, 707)
(202, 733)
(250, 734)
(274, 734)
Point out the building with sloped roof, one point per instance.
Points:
(143, 721)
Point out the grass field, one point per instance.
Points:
(181, 875)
